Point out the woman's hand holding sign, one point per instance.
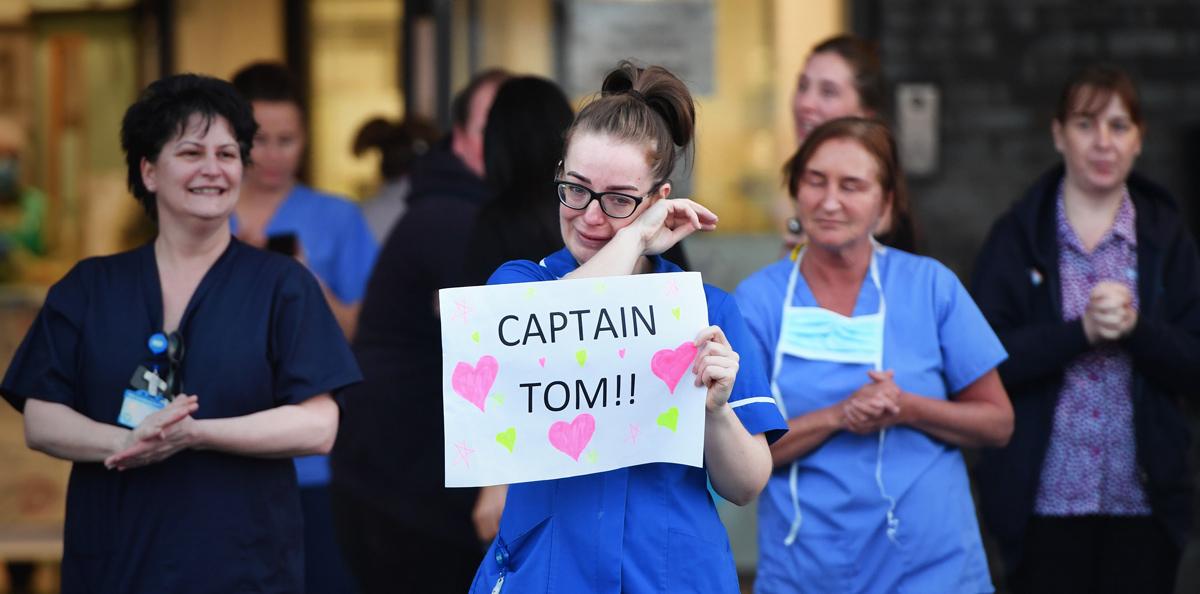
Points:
(738, 463)
(716, 366)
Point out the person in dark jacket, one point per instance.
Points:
(521, 147)
(400, 528)
(1093, 286)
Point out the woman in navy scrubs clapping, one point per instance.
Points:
(181, 376)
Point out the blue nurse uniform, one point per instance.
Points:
(257, 334)
(938, 343)
(648, 528)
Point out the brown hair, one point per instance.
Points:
(1089, 91)
(875, 137)
(648, 106)
(863, 59)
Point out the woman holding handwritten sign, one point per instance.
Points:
(653, 527)
(885, 367)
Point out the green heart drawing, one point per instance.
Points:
(529, 292)
(675, 312)
(507, 438)
(475, 336)
(670, 418)
(499, 398)
(592, 456)
(581, 356)
(600, 287)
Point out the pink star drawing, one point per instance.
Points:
(461, 311)
(464, 453)
(633, 433)
(672, 289)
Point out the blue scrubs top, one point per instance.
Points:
(648, 528)
(340, 250)
(257, 335)
(938, 343)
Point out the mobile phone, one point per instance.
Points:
(283, 243)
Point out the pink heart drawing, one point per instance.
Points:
(669, 365)
(621, 353)
(473, 383)
(571, 438)
(542, 361)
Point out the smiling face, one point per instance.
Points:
(278, 145)
(198, 173)
(825, 91)
(839, 199)
(1098, 146)
(603, 164)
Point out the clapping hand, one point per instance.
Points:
(1109, 314)
(874, 406)
(159, 436)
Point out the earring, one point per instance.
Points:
(793, 226)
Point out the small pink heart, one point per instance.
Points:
(670, 364)
(542, 361)
(571, 438)
(621, 353)
(473, 383)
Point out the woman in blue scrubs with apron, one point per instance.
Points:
(181, 377)
(654, 527)
(884, 367)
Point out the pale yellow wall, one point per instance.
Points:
(744, 129)
(217, 37)
(355, 52)
(797, 27)
(517, 35)
(733, 137)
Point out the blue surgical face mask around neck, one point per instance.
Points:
(819, 334)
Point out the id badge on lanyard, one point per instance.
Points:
(149, 391)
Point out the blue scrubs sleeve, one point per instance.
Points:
(519, 271)
(760, 308)
(355, 258)
(310, 354)
(969, 346)
(751, 399)
(44, 365)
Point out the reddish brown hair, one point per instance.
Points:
(875, 137)
(648, 106)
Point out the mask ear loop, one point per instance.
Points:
(893, 521)
(793, 472)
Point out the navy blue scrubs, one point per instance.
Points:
(258, 334)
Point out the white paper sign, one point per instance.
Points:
(562, 378)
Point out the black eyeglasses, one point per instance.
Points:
(614, 204)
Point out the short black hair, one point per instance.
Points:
(269, 81)
(162, 112)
